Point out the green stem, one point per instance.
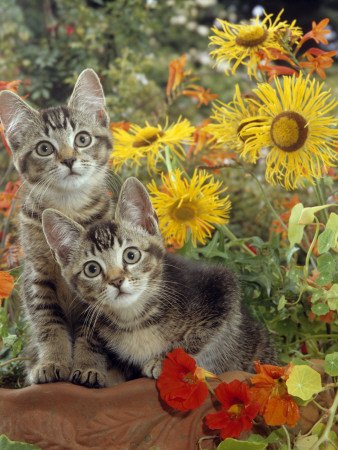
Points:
(287, 437)
(307, 260)
(325, 435)
(319, 191)
(14, 360)
(223, 228)
(267, 201)
(204, 439)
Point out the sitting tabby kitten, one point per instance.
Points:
(62, 154)
(146, 302)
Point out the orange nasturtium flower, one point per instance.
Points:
(238, 409)
(6, 284)
(182, 383)
(270, 390)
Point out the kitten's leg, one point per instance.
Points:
(90, 366)
(49, 327)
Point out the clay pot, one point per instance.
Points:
(63, 416)
(131, 415)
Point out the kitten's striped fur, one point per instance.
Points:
(142, 309)
(70, 179)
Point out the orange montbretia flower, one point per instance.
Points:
(318, 60)
(122, 125)
(10, 85)
(317, 33)
(182, 383)
(6, 284)
(7, 197)
(176, 73)
(270, 390)
(275, 70)
(203, 96)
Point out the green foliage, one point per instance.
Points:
(7, 444)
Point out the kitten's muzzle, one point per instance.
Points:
(68, 162)
(117, 282)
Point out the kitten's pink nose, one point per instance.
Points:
(117, 282)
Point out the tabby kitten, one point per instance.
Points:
(146, 302)
(61, 154)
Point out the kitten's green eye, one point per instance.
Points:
(92, 269)
(82, 139)
(44, 149)
(131, 255)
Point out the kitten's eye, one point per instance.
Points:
(131, 255)
(92, 269)
(82, 139)
(44, 149)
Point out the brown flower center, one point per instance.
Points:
(147, 136)
(243, 124)
(280, 388)
(289, 131)
(251, 36)
(184, 212)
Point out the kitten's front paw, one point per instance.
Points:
(153, 368)
(91, 378)
(49, 373)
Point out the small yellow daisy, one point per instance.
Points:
(242, 42)
(147, 142)
(194, 205)
(231, 119)
(301, 139)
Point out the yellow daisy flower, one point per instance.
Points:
(182, 205)
(147, 142)
(242, 42)
(231, 119)
(300, 137)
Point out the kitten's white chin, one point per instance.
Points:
(124, 300)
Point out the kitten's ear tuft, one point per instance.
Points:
(16, 117)
(61, 234)
(134, 206)
(88, 97)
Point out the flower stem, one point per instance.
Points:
(204, 438)
(224, 229)
(307, 260)
(288, 442)
(325, 435)
(14, 360)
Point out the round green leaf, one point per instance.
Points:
(331, 364)
(234, 444)
(320, 308)
(303, 382)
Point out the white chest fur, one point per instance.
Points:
(140, 345)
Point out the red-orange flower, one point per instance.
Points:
(10, 85)
(275, 70)
(270, 390)
(182, 383)
(317, 33)
(203, 96)
(122, 125)
(7, 197)
(176, 73)
(6, 284)
(238, 409)
(317, 61)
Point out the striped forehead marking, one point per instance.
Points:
(102, 235)
(56, 118)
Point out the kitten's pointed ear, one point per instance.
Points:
(88, 97)
(16, 117)
(134, 206)
(61, 234)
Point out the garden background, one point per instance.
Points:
(131, 44)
